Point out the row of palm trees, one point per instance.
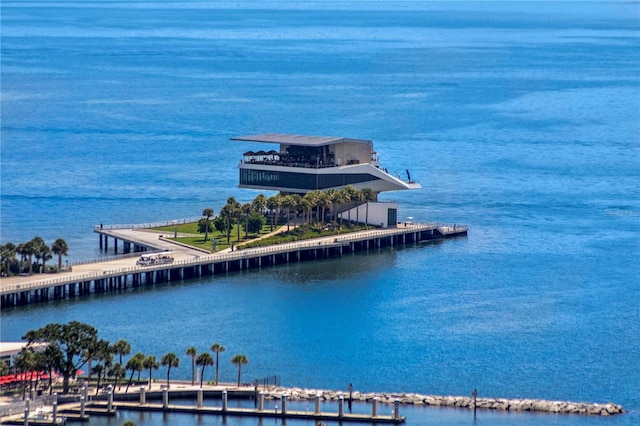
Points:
(205, 359)
(141, 362)
(334, 200)
(234, 213)
(28, 251)
(102, 366)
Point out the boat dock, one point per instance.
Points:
(140, 402)
(121, 272)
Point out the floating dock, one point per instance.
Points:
(123, 273)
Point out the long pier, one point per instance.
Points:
(122, 273)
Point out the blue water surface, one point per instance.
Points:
(520, 119)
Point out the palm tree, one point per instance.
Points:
(170, 360)
(337, 199)
(207, 213)
(245, 211)
(44, 254)
(226, 213)
(40, 250)
(192, 351)
(259, 203)
(217, 348)
(25, 362)
(134, 364)
(203, 360)
(231, 213)
(30, 251)
(97, 351)
(272, 205)
(306, 207)
(106, 357)
(369, 195)
(121, 347)
(358, 197)
(22, 250)
(98, 370)
(288, 203)
(60, 248)
(296, 201)
(324, 202)
(239, 360)
(347, 194)
(313, 198)
(117, 371)
(151, 363)
(8, 254)
(234, 213)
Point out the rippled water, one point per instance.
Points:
(519, 119)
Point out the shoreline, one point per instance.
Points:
(505, 404)
(183, 389)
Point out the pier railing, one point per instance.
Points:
(149, 224)
(18, 407)
(108, 258)
(324, 242)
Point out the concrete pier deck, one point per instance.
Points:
(120, 273)
(254, 412)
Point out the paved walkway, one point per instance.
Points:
(145, 237)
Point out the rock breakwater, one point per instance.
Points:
(537, 405)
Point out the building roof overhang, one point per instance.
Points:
(299, 140)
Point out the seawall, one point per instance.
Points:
(466, 402)
(537, 405)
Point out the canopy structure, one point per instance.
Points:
(300, 140)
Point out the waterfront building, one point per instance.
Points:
(308, 163)
(10, 350)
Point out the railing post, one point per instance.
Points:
(143, 395)
(26, 417)
(109, 398)
(224, 400)
(165, 397)
(200, 392)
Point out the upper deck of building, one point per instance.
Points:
(310, 151)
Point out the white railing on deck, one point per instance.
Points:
(150, 224)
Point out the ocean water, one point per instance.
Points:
(520, 119)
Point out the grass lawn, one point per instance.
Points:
(249, 241)
(222, 244)
(306, 233)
